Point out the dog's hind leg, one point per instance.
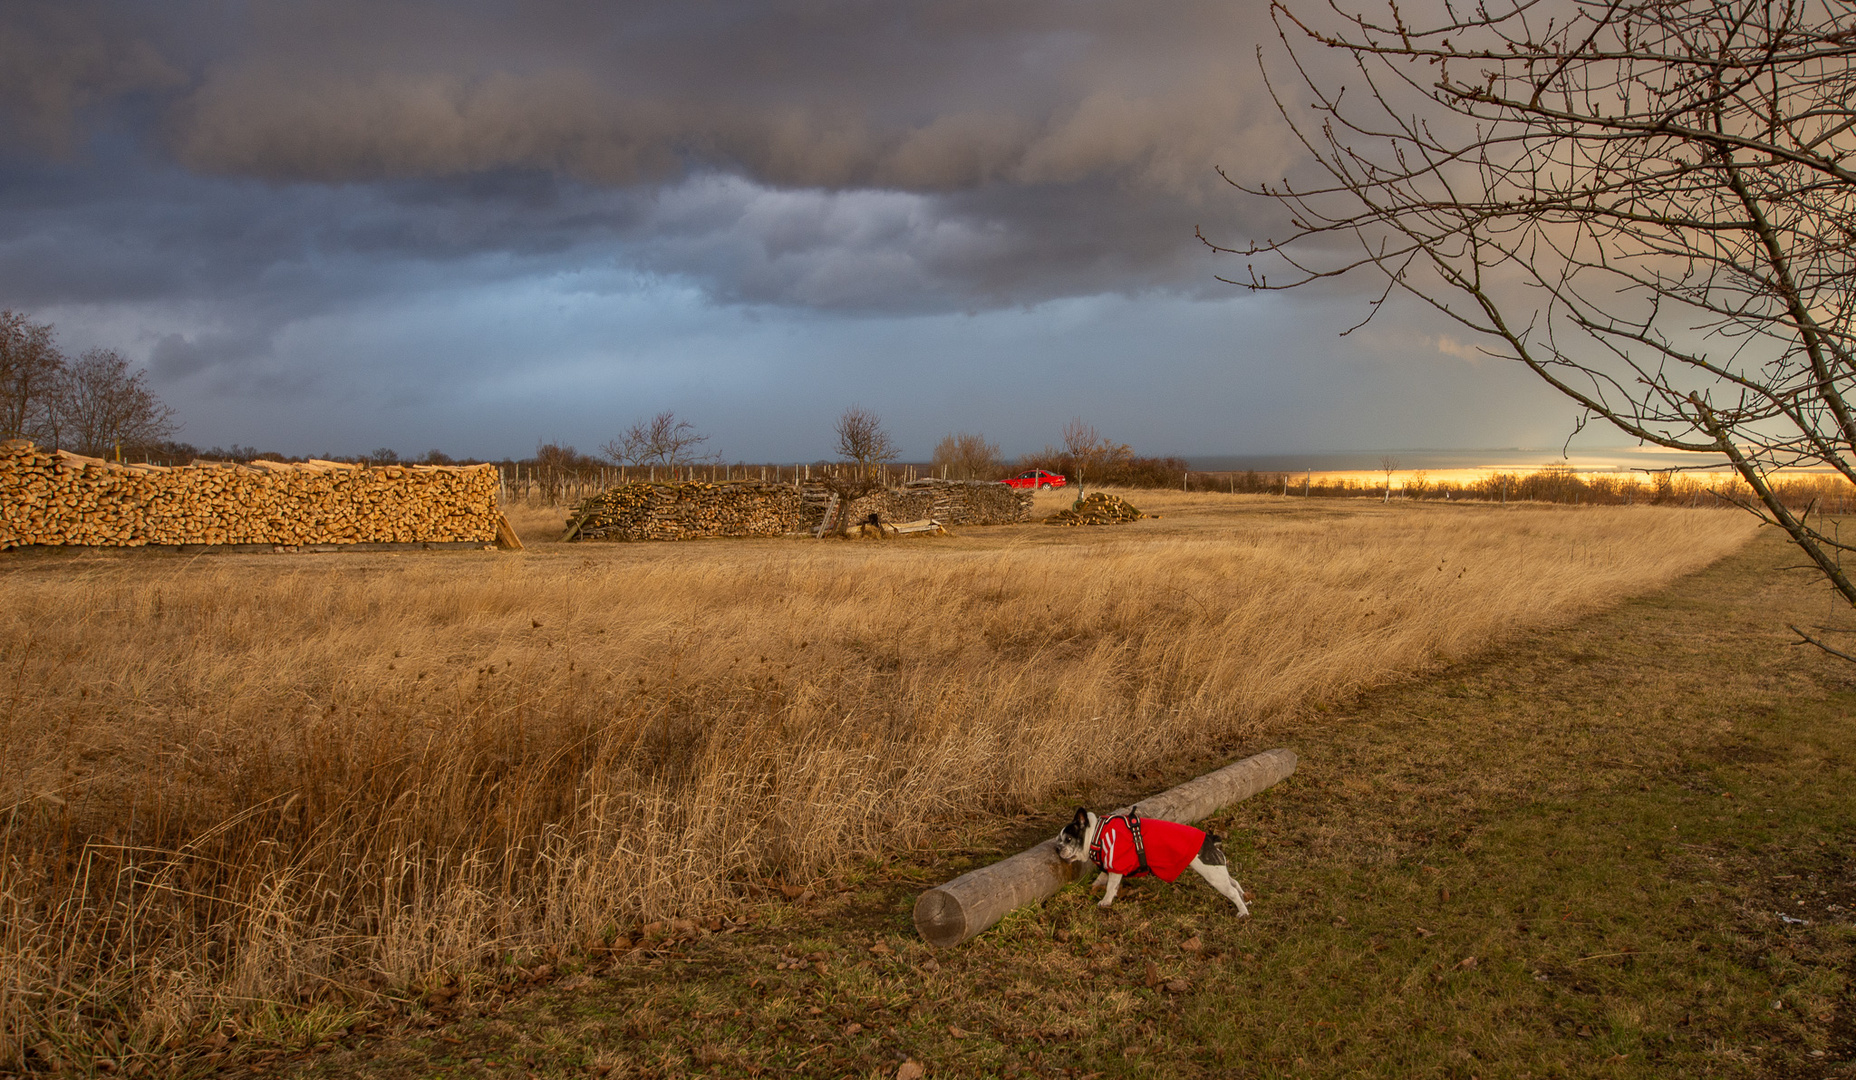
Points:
(1219, 877)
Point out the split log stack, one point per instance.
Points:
(951, 502)
(60, 498)
(645, 510)
(687, 511)
(1096, 509)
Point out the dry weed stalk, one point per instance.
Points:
(239, 780)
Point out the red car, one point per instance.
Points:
(1038, 479)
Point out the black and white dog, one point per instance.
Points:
(1130, 845)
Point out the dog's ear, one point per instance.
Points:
(1082, 820)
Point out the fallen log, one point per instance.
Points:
(964, 907)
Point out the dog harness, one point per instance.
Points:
(1132, 845)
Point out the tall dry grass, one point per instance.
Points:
(244, 779)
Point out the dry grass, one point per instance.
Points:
(245, 779)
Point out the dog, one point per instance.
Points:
(1130, 845)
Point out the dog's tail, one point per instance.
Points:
(1211, 852)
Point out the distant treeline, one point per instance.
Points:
(1553, 484)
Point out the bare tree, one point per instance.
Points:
(661, 440)
(31, 375)
(1388, 465)
(862, 440)
(968, 456)
(104, 405)
(1092, 456)
(1649, 203)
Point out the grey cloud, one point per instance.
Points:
(937, 155)
(56, 61)
(926, 96)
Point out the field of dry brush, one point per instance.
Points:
(238, 779)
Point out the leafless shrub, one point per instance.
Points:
(967, 456)
(862, 440)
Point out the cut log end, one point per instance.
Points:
(940, 919)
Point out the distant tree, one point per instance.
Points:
(1388, 465)
(555, 465)
(103, 405)
(437, 457)
(661, 440)
(862, 440)
(968, 456)
(563, 458)
(384, 455)
(31, 377)
(1093, 457)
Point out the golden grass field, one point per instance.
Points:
(233, 780)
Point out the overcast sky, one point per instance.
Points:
(336, 225)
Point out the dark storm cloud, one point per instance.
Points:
(338, 224)
(1045, 149)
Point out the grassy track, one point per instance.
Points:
(1581, 855)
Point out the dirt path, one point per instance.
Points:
(1618, 849)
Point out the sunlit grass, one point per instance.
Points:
(247, 779)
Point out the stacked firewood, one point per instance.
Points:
(951, 502)
(64, 498)
(1096, 508)
(686, 511)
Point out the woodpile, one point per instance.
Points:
(65, 499)
(650, 511)
(1096, 509)
(693, 509)
(950, 502)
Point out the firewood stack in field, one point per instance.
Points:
(690, 510)
(61, 498)
(1097, 508)
(951, 502)
(644, 510)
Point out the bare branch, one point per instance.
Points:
(1651, 204)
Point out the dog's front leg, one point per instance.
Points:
(1114, 886)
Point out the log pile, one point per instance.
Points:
(644, 510)
(1096, 508)
(652, 511)
(65, 499)
(951, 502)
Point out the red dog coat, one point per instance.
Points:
(1171, 847)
